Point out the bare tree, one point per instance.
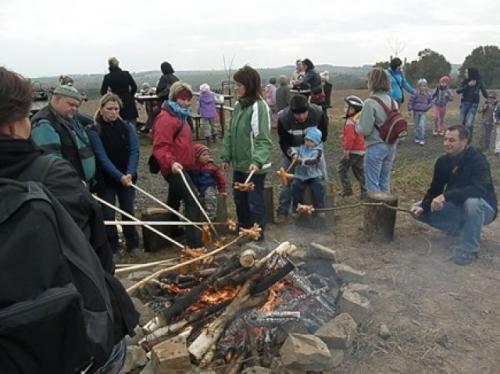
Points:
(396, 46)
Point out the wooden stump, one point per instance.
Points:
(152, 241)
(379, 221)
(269, 201)
(329, 202)
(222, 213)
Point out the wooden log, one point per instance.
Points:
(269, 203)
(222, 213)
(379, 221)
(152, 241)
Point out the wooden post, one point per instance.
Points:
(379, 222)
(269, 201)
(153, 242)
(222, 213)
(329, 202)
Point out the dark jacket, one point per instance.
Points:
(311, 81)
(470, 94)
(461, 177)
(121, 83)
(328, 88)
(64, 183)
(291, 133)
(163, 87)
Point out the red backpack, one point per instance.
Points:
(395, 126)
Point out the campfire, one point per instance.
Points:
(235, 312)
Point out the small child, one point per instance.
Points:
(420, 103)
(353, 145)
(308, 170)
(208, 113)
(208, 179)
(270, 94)
(487, 111)
(440, 98)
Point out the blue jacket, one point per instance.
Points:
(309, 167)
(398, 82)
(420, 102)
(100, 152)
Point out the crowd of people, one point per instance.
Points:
(69, 160)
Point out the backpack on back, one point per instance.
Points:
(395, 126)
(55, 311)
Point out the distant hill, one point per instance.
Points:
(342, 77)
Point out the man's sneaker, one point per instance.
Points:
(463, 258)
(421, 142)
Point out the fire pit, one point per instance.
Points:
(236, 312)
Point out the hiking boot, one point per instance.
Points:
(463, 258)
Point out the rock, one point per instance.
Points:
(348, 274)
(337, 357)
(363, 289)
(136, 358)
(171, 356)
(146, 314)
(320, 251)
(127, 283)
(256, 370)
(148, 369)
(305, 353)
(339, 332)
(136, 276)
(354, 304)
(134, 340)
(384, 331)
(290, 327)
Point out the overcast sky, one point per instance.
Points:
(52, 37)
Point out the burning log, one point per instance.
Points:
(205, 342)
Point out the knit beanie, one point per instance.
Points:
(421, 81)
(180, 90)
(199, 149)
(68, 91)
(313, 134)
(204, 87)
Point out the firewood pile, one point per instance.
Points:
(236, 311)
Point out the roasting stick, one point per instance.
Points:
(135, 219)
(198, 202)
(294, 160)
(157, 223)
(178, 214)
(252, 172)
(139, 284)
(126, 269)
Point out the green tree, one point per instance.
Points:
(382, 64)
(430, 65)
(487, 60)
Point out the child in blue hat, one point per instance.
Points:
(308, 170)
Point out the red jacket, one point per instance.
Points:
(166, 150)
(204, 175)
(351, 140)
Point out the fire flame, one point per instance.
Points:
(273, 298)
(210, 296)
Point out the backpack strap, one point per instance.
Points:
(383, 105)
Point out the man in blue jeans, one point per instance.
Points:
(461, 198)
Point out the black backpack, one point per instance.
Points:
(55, 310)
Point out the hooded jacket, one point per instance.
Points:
(398, 83)
(247, 140)
(206, 102)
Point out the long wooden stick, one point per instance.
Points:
(139, 284)
(195, 198)
(294, 160)
(157, 223)
(126, 269)
(166, 206)
(135, 219)
(252, 172)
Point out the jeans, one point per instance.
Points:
(126, 202)
(354, 162)
(466, 219)
(438, 114)
(419, 119)
(116, 359)
(317, 191)
(250, 206)
(178, 191)
(467, 114)
(379, 158)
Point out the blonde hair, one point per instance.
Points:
(378, 81)
(103, 101)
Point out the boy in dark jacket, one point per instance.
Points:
(208, 179)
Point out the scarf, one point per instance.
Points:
(182, 113)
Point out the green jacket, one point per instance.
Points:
(248, 139)
(372, 115)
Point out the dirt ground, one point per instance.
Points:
(443, 318)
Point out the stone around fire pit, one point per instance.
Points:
(256, 370)
(339, 332)
(363, 289)
(171, 356)
(136, 358)
(348, 274)
(305, 353)
(354, 304)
